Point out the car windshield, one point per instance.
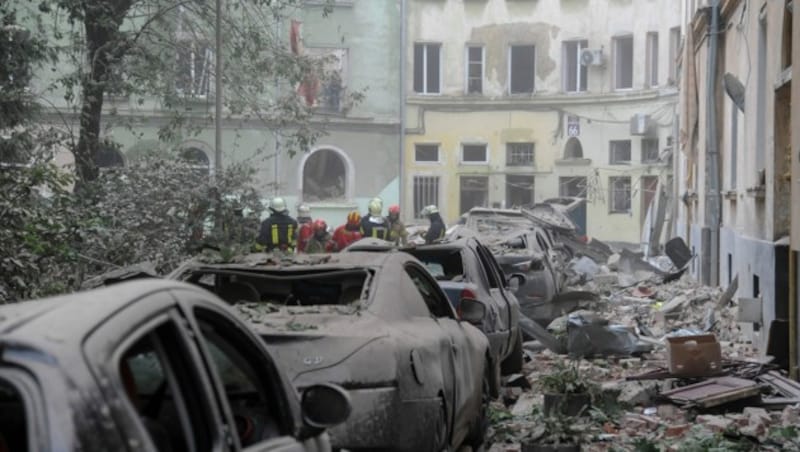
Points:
(496, 223)
(444, 265)
(287, 288)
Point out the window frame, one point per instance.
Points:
(468, 63)
(442, 301)
(656, 156)
(509, 153)
(511, 91)
(414, 185)
(581, 70)
(651, 60)
(616, 58)
(462, 161)
(30, 392)
(425, 91)
(612, 209)
(611, 152)
(428, 162)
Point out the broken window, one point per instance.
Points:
(427, 64)
(623, 62)
(426, 153)
(324, 177)
(650, 152)
(519, 190)
(674, 52)
(620, 194)
(761, 99)
(426, 192)
(651, 63)
(474, 153)
(573, 149)
(334, 66)
(522, 68)
(520, 154)
(474, 70)
(197, 160)
(194, 66)
(474, 192)
(574, 73)
(649, 190)
(14, 424)
(572, 186)
(620, 152)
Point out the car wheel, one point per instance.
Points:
(441, 440)
(513, 362)
(477, 433)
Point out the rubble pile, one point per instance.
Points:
(668, 363)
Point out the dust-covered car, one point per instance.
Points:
(378, 325)
(149, 365)
(465, 269)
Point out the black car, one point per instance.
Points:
(149, 365)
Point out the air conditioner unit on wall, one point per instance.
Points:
(641, 124)
(592, 57)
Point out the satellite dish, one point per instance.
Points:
(735, 89)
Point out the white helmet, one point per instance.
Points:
(277, 204)
(376, 207)
(429, 210)
(303, 210)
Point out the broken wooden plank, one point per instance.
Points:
(783, 385)
(778, 403)
(714, 392)
(730, 291)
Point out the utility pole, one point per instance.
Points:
(218, 94)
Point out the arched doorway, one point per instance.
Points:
(197, 160)
(325, 176)
(573, 149)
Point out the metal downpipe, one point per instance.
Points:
(713, 208)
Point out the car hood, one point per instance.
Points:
(312, 343)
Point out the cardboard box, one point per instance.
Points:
(694, 356)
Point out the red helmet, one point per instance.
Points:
(353, 218)
(394, 210)
(320, 225)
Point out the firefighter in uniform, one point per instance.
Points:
(320, 242)
(347, 233)
(397, 230)
(437, 229)
(375, 225)
(305, 227)
(278, 231)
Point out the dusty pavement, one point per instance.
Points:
(640, 414)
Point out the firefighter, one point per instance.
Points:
(347, 233)
(278, 231)
(375, 225)
(320, 242)
(437, 229)
(305, 229)
(397, 230)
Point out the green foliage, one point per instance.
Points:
(701, 440)
(565, 378)
(555, 429)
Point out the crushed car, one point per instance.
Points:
(465, 269)
(378, 325)
(150, 365)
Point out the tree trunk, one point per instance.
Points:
(105, 46)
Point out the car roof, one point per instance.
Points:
(71, 317)
(271, 262)
(486, 210)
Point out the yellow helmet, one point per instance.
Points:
(376, 207)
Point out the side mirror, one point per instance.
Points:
(472, 310)
(519, 278)
(325, 406)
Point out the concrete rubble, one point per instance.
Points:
(629, 412)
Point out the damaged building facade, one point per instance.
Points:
(354, 38)
(737, 174)
(504, 108)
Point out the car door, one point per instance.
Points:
(511, 313)
(150, 372)
(254, 396)
(496, 285)
(462, 393)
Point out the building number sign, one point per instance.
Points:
(573, 126)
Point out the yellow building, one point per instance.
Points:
(504, 108)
